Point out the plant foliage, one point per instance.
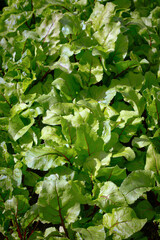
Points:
(79, 119)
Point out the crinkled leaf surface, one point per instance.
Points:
(136, 184)
(110, 197)
(44, 158)
(57, 200)
(92, 232)
(90, 68)
(122, 222)
(106, 30)
(79, 119)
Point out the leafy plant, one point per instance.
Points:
(79, 119)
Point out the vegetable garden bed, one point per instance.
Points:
(79, 119)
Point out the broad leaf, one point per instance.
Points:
(152, 159)
(91, 232)
(90, 69)
(17, 128)
(122, 223)
(126, 152)
(57, 201)
(44, 158)
(106, 30)
(145, 210)
(136, 184)
(110, 197)
(114, 174)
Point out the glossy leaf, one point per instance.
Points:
(44, 158)
(110, 197)
(122, 222)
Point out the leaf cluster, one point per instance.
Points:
(79, 119)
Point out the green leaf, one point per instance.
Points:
(94, 162)
(125, 65)
(145, 210)
(114, 174)
(18, 204)
(6, 186)
(63, 64)
(108, 36)
(101, 14)
(122, 4)
(102, 94)
(121, 48)
(13, 21)
(137, 183)
(122, 223)
(53, 116)
(93, 106)
(106, 30)
(49, 29)
(79, 119)
(134, 98)
(110, 197)
(150, 80)
(37, 235)
(138, 163)
(6, 159)
(91, 232)
(52, 133)
(141, 142)
(30, 216)
(30, 178)
(52, 233)
(153, 106)
(90, 69)
(87, 140)
(131, 79)
(17, 128)
(126, 152)
(69, 86)
(70, 24)
(47, 100)
(152, 159)
(106, 133)
(17, 175)
(44, 158)
(57, 201)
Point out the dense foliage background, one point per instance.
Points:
(79, 119)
